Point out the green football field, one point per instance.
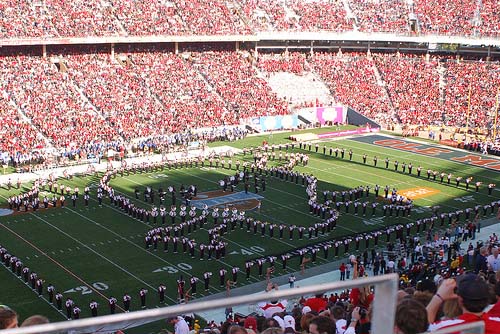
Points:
(94, 252)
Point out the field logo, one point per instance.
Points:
(479, 161)
(411, 147)
(416, 193)
(221, 199)
(5, 212)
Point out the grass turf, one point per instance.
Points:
(95, 252)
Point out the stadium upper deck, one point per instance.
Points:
(82, 18)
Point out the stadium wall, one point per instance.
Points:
(355, 118)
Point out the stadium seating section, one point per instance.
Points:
(58, 18)
(85, 103)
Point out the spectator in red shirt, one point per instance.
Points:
(495, 310)
(317, 303)
(342, 271)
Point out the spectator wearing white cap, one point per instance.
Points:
(289, 324)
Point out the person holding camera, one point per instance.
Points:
(473, 295)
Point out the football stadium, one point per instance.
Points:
(249, 166)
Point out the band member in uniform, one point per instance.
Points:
(93, 308)
(126, 302)
(234, 271)
(39, 286)
(50, 291)
(222, 277)
(192, 284)
(76, 312)
(59, 298)
(248, 266)
(69, 307)
(180, 288)
(206, 279)
(112, 304)
(142, 295)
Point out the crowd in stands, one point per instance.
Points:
(347, 76)
(212, 18)
(381, 16)
(81, 18)
(489, 15)
(458, 19)
(80, 105)
(236, 81)
(149, 18)
(17, 136)
(266, 15)
(413, 87)
(57, 18)
(52, 103)
(477, 80)
(189, 100)
(23, 19)
(293, 62)
(321, 15)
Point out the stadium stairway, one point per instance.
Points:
(28, 120)
(299, 89)
(383, 87)
(350, 15)
(212, 88)
(119, 23)
(443, 82)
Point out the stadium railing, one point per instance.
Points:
(384, 308)
(470, 328)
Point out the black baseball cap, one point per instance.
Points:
(472, 287)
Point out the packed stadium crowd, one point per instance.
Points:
(104, 103)
(119, 18)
